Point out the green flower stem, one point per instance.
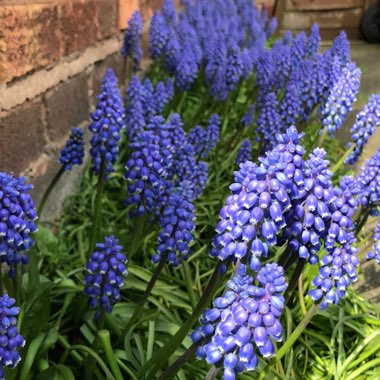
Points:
(189, 282)
(292, 339)
(300, 295)
(137, 235)
(156, 362)
(181, 102)
(212, 373)
(97, 207)
(363, 220)
(344, 157)
(34, 276)
(16, 289)
(48, 190)
(148, 290)
(174, 368)
(294, 279)
(321, 138)
(105, 340)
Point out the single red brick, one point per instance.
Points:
(29, 38)
(107, 17)
(126, 8)
(22, 137)
(66, 105)
(147, 8)
(78, 25)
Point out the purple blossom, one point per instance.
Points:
(106, 123)
(245, 151)
(163, 93)
(131, 45)
(248, 118)
(268, 121)
(73, 152)
(145, 174)
(375, 253)
(369, 182)
(17, 221)
(254, 214)
(314, 40)
(244, 322)
(106, 269)
(365, 126)
(341, 97)
(134, 110)
(159, 35)
(176, 223)
(204, 140)
(10, 338)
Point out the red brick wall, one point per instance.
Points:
(53, 54)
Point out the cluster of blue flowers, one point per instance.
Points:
(288, 200)
(369, 182)
(131, 45)
(72, 154)
(341, 98)
(106, 122)
(364, 127)
(221, 37)
(106, 269)
(143, 102)
(245, 151)
(10, 339)
(375, 253)
(244, 321)
(177, 224)
(204, 140)
(248, 118)
(145, 174)
(17, 221)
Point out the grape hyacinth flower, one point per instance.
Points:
(268, 120)
(106, 269)
(17, 221)
(254, 213)
(134, 110)
(341, 98)
(248, 118)
(131, 45)
(10, 338)
(244, 321)
(375, 254)
(72, 154)
(204, 140)
(245, 151)
(145, 174)
(106, 123)
(365, 126)
(369, 182)
(337, 272)
(176, 223)
(163, 93)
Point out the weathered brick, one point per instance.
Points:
(29, 38)
(126, 8)
(107, 18)
(147, 8)
(66, 105)
(78, 25)
(115, 62)
(22, 137)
